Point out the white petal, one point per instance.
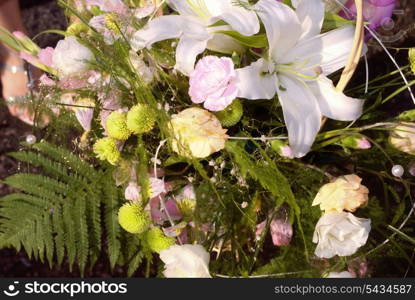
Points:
(253, 84)
(159, 29)
(335, 104)
(336, 47)
(281, 24)
(182, 7)
(330, 50)
(301, 113)
(311, 15)
(186, 52)
(240, 19)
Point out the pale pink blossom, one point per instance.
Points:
(213, 82)
(116, 6)
(133, 192)
(45, 80)
(84, 112)
(364, 144)
(98, 23)
(281, 231)
(158, 213)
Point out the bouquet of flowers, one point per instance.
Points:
(214, 138)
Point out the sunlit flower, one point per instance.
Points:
(196, 132)
(340, 234)
(195, 28)
(298, 61)
(185, 261)
(345, 193)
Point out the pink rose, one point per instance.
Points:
(213, 82)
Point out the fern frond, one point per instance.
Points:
(60, 212)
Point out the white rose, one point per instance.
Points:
(344, 274)
(70, 57)
(186, 261)
(340, 234)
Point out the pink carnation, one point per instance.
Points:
(213, 82)
(45, 56)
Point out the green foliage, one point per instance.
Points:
(68, 210)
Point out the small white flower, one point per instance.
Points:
(186, 261)
(340, 234)
(71, 58)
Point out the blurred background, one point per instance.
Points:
(40, 15)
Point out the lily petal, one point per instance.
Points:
(240, 19)
(186, 52)
(311, 15)
(301, 113)
(252, 84)
(281, 24)
(333, 103)
(329, 50)
(336, 47)
(182, 7)
(159, 29)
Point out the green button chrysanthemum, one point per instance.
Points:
(106, 149)
(231, 115)
(117, 126)
(157, 241)
(141, 119)
(133, 218)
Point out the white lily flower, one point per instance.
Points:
(299, 59)
(195, 31)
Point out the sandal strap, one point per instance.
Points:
(13, 68)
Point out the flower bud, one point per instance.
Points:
(356, 142)
(282, 148)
